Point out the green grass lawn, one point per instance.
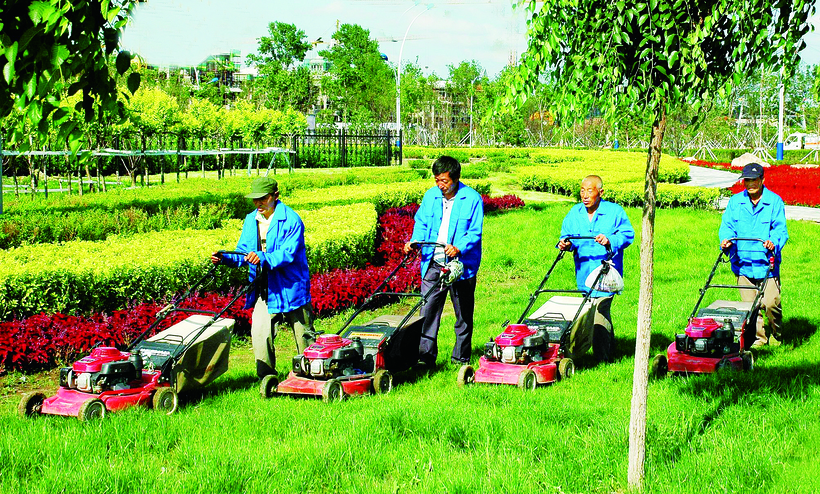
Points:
(733, 432)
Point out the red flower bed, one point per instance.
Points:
(43, 341)
(798, 186)
(47, 340)
(502, 203)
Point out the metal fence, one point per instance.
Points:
(340, 148)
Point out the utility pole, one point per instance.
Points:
(398, 69)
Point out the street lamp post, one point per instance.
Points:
(398, 69)
(472, 93)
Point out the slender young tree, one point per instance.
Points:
(650, 56)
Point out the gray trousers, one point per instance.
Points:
(769, 303)
(264, 327)
(462, 293)
(595, 330)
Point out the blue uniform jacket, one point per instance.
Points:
(767, 221)
(284, 259)
(466, 225)
(609, 219)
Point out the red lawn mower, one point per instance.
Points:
(360, 359)
(150, 372)
(715, 338)
(534, 350)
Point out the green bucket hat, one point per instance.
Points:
(261, 187)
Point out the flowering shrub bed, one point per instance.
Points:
(796, 185)
(42, 340)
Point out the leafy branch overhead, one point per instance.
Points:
(54, 60)
(655, 54)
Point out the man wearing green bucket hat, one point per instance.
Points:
(274, 238)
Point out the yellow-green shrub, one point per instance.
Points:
(82, 276)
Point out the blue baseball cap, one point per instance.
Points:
(752, 170)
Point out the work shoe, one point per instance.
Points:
(774, 341)
(758, 344)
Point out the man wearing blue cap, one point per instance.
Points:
(274, 238)
(757, 212)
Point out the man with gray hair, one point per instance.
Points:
(608, 223)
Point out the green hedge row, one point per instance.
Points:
(195, 203)
(83, 276)
(630, 193)
(381, 196)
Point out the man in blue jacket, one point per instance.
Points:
(608, 223)
(756, 212)
(274, 238)
(452, 214)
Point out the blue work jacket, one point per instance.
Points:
(284, 260)
(766, 221)
(464, 232)
(609, 219)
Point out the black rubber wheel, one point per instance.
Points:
(92, 409)
(466, 375)
(332, 391)
(566, 368)
(748, 361)
(267, 387)
(31, 404)
(660, 366)
(724, 365)
(527, 380)
(382, 382)
(166, 400)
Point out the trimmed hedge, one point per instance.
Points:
(382, 197)
(669, 196)
(82, 276)
(194, 203)
(629, 193)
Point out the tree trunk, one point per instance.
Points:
(640, 377)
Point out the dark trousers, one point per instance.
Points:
(462, 293)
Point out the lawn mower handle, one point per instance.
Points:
(750, 239)
(586, 237)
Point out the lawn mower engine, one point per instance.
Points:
(706, 337)
(105, 369)
(518, 344)
(330, 356)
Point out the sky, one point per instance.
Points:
(441, 32)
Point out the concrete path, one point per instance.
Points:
(709, 177)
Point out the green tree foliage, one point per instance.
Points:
(53, 49)
(649, 57)
(360, 86)
(285, 46)
(281, 84)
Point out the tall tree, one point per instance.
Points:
(280, 83)
(649, 56)
(285, 46)
(360, 82)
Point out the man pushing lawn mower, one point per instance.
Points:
(274, 238)
(451, 214)
(608, 224)
(759, 213)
